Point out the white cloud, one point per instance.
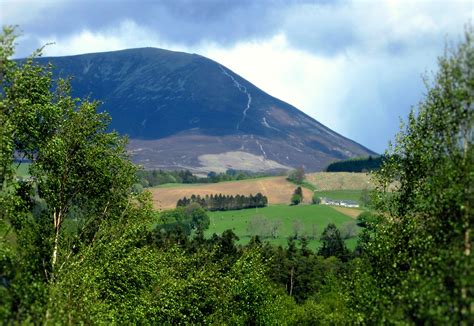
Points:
(124, 36)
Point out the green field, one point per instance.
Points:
(310, 221)
(340, 194)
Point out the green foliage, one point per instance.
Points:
(332, 243)
(297, 196)
(153, 178)
(296, 199)
(420, 253)
(316, 283)
(296, 176)
(365, 198)
(184, 220)
(316, 199)
(81, 244)
(126, 278)
(225, 202)
(360, 164)
(80, 178)
(368, 219)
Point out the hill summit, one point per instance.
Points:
(183, 110)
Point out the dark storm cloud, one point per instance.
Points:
(179, 21)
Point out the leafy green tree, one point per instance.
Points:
(364, 197)
(332, 243)
(297, 196)
(368, 219)
(197, 215)
(316, 199)
(81, 177)
(349, 230)
(420, 254)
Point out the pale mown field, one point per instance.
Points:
(339, 181)
(277, 189)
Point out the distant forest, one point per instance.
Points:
(360, 164)
(225, 202)
(153, 178)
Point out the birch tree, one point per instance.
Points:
(80, 173)
(420, 254)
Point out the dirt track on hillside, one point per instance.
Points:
(277, 189)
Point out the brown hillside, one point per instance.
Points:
(277, 189)
(340, 180)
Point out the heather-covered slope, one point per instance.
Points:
(184, 110)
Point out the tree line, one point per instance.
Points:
(225, 202)
(152, 178)
(360, 164)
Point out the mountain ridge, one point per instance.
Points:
(162, 99)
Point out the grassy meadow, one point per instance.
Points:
(322, 181)
(279, 217)
(309, 220)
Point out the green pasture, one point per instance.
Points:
(310, 220)
(178, 185)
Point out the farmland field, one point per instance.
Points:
(277, 189)
(349, 211)
(308, 220)
(339, 181)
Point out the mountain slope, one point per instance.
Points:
(184, 110)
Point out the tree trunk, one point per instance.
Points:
(57, 224)
(57, 220)
(291, 280)
(467, 242)
(469, 307)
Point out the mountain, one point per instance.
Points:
(183, 110)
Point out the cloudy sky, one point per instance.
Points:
(355, 66)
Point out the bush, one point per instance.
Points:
(296, 199)
(367, 219)
(297, 196)
(349, 230)
(316, 199)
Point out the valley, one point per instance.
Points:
(279, 221)
(339, 186)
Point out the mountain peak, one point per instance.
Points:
(178, 107)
